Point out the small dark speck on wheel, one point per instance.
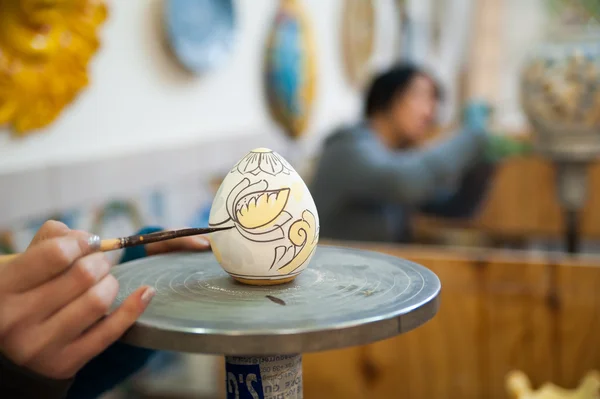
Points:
(278, 301)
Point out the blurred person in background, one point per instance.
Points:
(372, 176)
(57, 337)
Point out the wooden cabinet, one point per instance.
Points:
(500, 311)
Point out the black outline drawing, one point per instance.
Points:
(268, 162)
(243, 194)
(247, 199)
(296, 248)
(245, 189)
(283, 249)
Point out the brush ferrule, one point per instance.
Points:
(94, 242)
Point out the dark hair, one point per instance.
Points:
(385, 87)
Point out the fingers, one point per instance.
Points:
(50, 229)
(57, 293)
(33, 348)
(109, 330)
(44, 261)
(24, 327)
(66, 325)
(71, 321)
(193, 243)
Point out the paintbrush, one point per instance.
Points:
(112, 244)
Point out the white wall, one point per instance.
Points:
(523, 25)
(140, 99)
(447, 61)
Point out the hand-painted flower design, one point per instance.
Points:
(304, 235)
(257, 212)
(262, 160)
(275, 225)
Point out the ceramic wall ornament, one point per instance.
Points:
(116, 219)
(291, 69)
(200, 32)
(358, 40)
(45, 48)
(275, 220)
(7, 244)
(25, 232)
(124, 212)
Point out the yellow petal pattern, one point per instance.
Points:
(259, 209)
(305, 235)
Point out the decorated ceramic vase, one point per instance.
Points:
(290, 75)
(560, 91)
(274, 219)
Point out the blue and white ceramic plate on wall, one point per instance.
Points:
(201, 33)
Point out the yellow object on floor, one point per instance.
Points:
(519, 387)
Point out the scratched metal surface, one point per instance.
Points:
(199, 308)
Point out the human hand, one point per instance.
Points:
(191, 243)
(476, 115)
(501, 147)
(54, 300)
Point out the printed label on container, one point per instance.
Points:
(271, 377)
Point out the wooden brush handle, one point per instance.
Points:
(142, 239)
(113, 244)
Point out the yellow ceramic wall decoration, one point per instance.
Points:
(358, 40)
(45, 48)
(519, 387)
(291, 69)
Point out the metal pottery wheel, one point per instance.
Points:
(346, 297)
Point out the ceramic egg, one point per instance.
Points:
(274, 219)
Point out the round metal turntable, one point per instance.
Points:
(346, 297)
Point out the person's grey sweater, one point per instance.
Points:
(367, 192)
